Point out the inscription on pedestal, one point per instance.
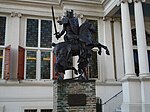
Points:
(76, 99)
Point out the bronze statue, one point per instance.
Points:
(77, 42)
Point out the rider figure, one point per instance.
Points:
(70, 26)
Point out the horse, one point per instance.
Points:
(64, 51)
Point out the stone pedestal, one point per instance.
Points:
(74, 96)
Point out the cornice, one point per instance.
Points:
(45, 99)
(33, 2)
(81, 2)
(105, 2)
(88, 8)
(129, 1)
(139, 1)
(52, 2)
(84, 1)
(110, 7)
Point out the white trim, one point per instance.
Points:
(25, 67)
(39, 33)
(51, 65)
(35, 48)
(39, 99)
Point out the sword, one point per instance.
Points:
(54, 22)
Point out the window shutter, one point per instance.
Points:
(21, 56)
(54, 61)
(7, 63)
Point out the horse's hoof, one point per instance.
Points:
(107, 52)
(99, 52)
(81, 78)
(76, 72)
(80, 71)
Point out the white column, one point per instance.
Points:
(142, 53)
(130, 83)
(127, 39)
(13, 35)
(109, 59)
(141, 38)
(118, 51)
(100, 58)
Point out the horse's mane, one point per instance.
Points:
(84, 26)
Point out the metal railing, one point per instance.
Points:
(112, 97)
(110, 105)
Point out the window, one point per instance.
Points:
(2, 42)
(93, 68)
(30, 110)
(135, 52)
(45, 65)
(38, 48)
(2, 29)
(31, 65)
(136, 61)
(46, 110)
(38, 110)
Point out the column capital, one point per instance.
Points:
(106, 18)
(124, 1)
(136, 1)
(15, 14)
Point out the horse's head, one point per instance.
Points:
(90, 26)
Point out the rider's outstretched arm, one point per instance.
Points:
(63, 31)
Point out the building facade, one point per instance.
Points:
(26, 58)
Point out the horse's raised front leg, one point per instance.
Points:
(104, 47)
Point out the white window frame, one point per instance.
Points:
(38, 50)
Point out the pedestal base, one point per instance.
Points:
(74, 96)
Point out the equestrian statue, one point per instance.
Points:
(78, 41)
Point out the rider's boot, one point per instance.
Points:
(60, 77)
